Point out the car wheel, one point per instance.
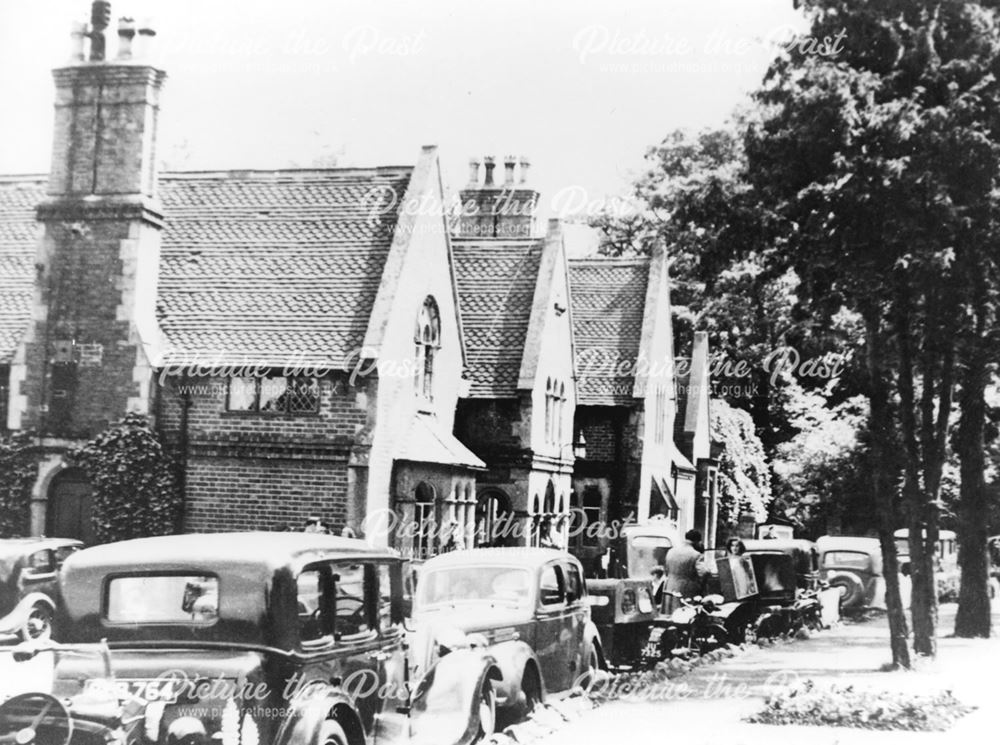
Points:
(38, 625)
(852, 594)
(487, 710)
(331, 733)
(593, 665)
(531, 686)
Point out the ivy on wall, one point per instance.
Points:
(744, 476)
(18, 469)
(136, 490)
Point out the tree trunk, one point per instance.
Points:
(922, 607)
(882, 448)
(973, 619)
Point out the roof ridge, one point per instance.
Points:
(617, 261)
(275, 174)
(12, 178)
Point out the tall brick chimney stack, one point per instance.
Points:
(86, 360)
(491, 210)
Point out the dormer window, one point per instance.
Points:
(427, 338)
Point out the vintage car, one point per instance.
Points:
(29, 570)
(787, 591)
(853, 565)
(528, 607)
(625, 620)
(248, 638)
(947, 575)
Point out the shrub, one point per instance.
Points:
(18, 470)
(136, 490)
(805, 703)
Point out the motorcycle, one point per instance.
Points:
(690, 630)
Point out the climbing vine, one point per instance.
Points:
(18, 469)
(744, 476)
(136, 490)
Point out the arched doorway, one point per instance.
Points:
(70, 507)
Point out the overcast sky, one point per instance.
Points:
(581, 87)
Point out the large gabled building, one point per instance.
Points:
(331, 342)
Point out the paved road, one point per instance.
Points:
(710, 708)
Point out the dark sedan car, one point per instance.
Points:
(29, 570)
(243, 639)
(527, 606)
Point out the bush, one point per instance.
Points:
(805, 703)
(136, 490)
(18, 470)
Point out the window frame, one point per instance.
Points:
(256, 410)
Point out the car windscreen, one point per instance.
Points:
(163, 598)
(646, 552)
(847, 560)
(498, 584)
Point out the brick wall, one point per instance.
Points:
(81, 290)
(227, 493)
(600, 426)
(105, 130)
(249, 470)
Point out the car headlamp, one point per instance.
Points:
(187, 731)
(449, 639)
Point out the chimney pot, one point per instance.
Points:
(489, 162)
(474, 171)
(144, 42)
(525, 165)
(77, 33)
(508, 167)
(100, 17)
(126, 32)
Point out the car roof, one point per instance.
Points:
(516, 556)
(263, 549)
(34, 543)
(847, 543)
(778, 544)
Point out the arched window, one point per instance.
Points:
(427, 338)
(560, 415)
(492, 519)
(536, 517)
(549, 387)
(545, 521)
(425, 519)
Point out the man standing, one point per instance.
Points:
(685, 568)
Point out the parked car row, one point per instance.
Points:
(297, 639)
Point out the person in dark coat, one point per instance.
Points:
(686, 569)
(658, 584)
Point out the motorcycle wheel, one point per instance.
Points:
(712, 637)
(769, 627)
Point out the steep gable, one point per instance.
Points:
(496, 290)
(608, 302)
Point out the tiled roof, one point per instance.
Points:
(19, 195)
(496, 289)
(428, 442)
(608, 299)
(257, 267)
(270, 267)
